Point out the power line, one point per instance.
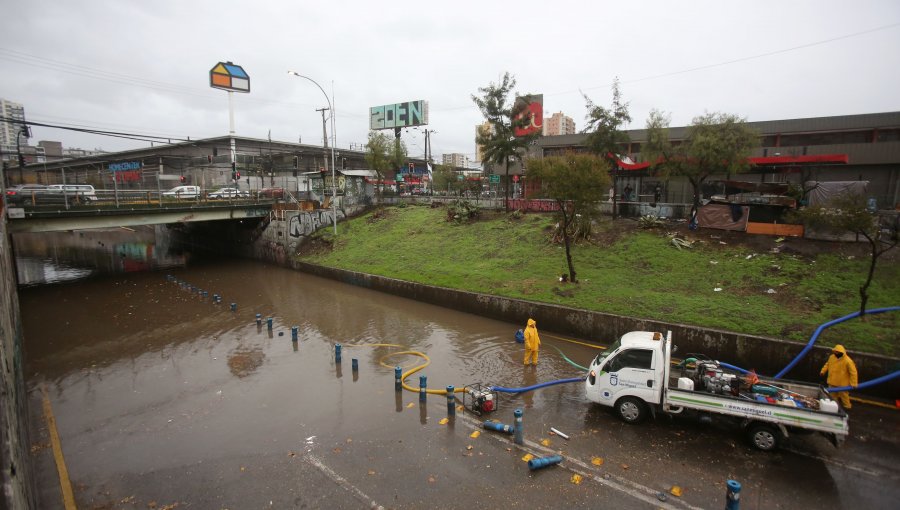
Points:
(115, 134)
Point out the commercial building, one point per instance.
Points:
(863, 147)
(481, 130)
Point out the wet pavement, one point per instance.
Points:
(163, 399)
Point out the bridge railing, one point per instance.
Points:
(128, 198)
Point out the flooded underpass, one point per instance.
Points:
(164, 399)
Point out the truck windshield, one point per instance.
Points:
(605, 354)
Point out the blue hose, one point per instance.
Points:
(821, 328)
(501, 389)
(866, 384)
(732, 367)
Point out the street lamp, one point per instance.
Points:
(333, 179)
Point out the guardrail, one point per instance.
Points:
(37, 200)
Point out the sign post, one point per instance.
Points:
(231, 78)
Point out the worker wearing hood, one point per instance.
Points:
(841, 372)
(532, 342)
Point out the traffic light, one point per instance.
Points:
(296, 162)
(238, 175)
(412, 167)
(233, 171)
(183, 179)
(208, 158)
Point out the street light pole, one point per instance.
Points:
(333, 178)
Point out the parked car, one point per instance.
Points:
(228, 193)
(277, 193)
(182, 192)
(78, 192)
(24, 193)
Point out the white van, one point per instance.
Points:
(82, 191)
(183, 192)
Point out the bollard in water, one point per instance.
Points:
(518, 426)
(205, 294)
(423, 387)
(259, 319)
(398, 379)
(451, 402)
(354, 364)
(233, 307)
(542, 462)
(733, 495)
(215, 298)
(499, 427)
(294, 330)
(337, 353)
(269, 323)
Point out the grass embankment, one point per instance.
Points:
(637, 273)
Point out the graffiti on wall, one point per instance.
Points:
(305, 223)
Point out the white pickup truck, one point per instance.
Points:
(635, 376)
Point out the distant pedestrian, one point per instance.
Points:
(532, 343)
(841, 372)
(626, 194)
(657, 195)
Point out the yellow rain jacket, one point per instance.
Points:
(841, 371)
(532, 340)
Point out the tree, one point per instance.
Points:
(716, 143)
(577, 183)
(500, 142)
(383, 155)
(604, 129)
(445, 179)
(848, 214)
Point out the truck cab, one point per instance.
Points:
(629, 374)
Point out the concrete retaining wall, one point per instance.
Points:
(766, 355)
(15, 461)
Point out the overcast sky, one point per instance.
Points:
(143, 66)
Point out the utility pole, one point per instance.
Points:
(324, 130)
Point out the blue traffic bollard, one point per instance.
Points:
(205, 294)
(423, 388)
(269, 322)
(451, 402)
(733, 495)
(337, 353)
(499, 427)
(542, 462)
(354, 364)
(518, 426)
(233, 307)
(215, 298)
(398, 379)
(294, 330)
(259, 319)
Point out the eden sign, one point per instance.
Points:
(389, 116)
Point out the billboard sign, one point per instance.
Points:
(399, 115)
(534, 110)
(228, 76)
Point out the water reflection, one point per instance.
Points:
(54, 257)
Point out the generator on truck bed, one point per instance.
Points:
(635, 376)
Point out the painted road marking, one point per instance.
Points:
(65, 484)
(341, 481)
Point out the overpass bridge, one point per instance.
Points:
(148, 210)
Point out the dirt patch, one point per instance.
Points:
(314, 246)
(243, 362)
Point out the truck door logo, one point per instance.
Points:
(613, 380)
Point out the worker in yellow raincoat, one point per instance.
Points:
(532, 342)
(841, 372)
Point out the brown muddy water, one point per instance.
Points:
(164, 397)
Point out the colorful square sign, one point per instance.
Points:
(228, 76)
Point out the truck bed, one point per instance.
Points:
(783, 407)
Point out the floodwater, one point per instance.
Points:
(163, 397)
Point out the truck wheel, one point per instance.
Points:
(763, 437)
(631, 409)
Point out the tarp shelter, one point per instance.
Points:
(821, 193)
(723, 216)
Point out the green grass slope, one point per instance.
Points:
(633, 272)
